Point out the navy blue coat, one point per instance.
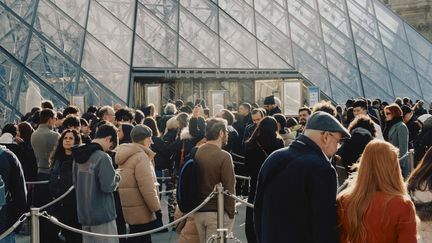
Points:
(13, 177)
(296, 196)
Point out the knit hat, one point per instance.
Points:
(269, 100)
(405, 110)
(140, 132)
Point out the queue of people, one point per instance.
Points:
(113, 157)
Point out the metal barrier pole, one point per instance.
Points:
(411, 159)
(34, 212)
(220, 216)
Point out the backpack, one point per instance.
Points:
(187, 185)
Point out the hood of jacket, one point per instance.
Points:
(127, 150)
(185, 134)
(6, 138)
(83, 152)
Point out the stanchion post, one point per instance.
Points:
(34, 212)
(411, 159)
(220, 216)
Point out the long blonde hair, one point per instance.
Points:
(379, 171)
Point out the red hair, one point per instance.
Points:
(394, 109)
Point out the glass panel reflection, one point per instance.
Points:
(166, 10)
(76, 9)
(123, 9)
(13, 34)
(32, 92)
(109, 70)
(9, 79)
(199, 36)
(146, 56)
(52, 67)
(111, 32)
(24, 9)
(60, 29)
(157, 34)
(95, 94)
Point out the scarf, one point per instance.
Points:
(389, 125)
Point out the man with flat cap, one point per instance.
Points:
(270, 105)
(296, 192)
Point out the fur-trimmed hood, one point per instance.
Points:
(185, 134)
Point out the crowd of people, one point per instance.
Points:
(116, 156)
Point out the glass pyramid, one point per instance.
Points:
(56, 49)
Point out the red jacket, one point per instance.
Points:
(391, 222)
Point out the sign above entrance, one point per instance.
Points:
(216, 73)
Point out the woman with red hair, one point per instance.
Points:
(375, 207)
(396, 133)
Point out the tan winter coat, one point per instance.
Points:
(139, 193)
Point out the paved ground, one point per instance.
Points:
(171, 236)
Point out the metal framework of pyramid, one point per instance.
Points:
(56, 49)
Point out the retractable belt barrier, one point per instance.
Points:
(222, 235)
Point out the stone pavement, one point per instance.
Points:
(171, 236)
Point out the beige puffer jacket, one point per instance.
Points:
(139, 193)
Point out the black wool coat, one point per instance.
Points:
(296, 196)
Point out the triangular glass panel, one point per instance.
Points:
(274, 39)
(241, 11)
(123, 10)
(7, 114)
(269, 60)
(374, 70)
(9, 78)
(305, 14)
(390, 19)
(205, 11)
(199, 36)
(275, 13)
(230, 58)
(52, 67)
(403, 90)
(401, 70)
(341, 92)
(161, 37)
(239, 38)
(395, 44)
(95, 94)
(106, 67)
(344, 71)
(338, 42)
(24, 9)
(368, 43)
(419, 43)
(423, 67)
(307, 40)
(311, 69)
(166, 10)
(146, 56)
(76, 9)
(362, 18)
(426, 86)
(32, 92)
(60, 29)
(13, 34)
(189, 57)
(335, 16)
(110, 31)
(374, 90)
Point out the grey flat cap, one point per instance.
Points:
(325, 122)
(140, 132)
